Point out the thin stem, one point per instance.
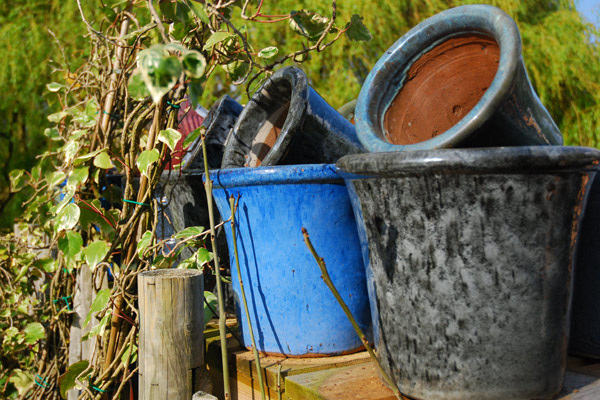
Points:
(211, 217)
(359, 332)
(237, 264)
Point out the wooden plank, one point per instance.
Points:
(171, 349)
(588, 392)
(355, 382)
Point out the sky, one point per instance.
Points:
(590, 9)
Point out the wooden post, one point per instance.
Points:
(171, 351)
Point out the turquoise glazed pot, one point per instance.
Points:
(293, 312)
(469, 255)
(462, 75)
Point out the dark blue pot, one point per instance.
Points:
(508, 113)
(287, 122)
(469, 255)
(293, 312)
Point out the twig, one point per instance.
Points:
(359, 332)
(237, 264)
(156, 19)
(92, 30)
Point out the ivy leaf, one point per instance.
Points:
(215, 38)
(268, 52)
(55, 86)
(129, 355)
(52, 134)
(236, 69)
(98, 329)
(356, 30)
(33, 332)
(191, 138)
(159, 72)
(195, 90)
(170, 137)
(18, 180)
(78, 176)
(137, 87)
(189, 232)
(67, 218)
(204, 256)
(174, 10)
(70, 244)
(57, 117)
(95, 252)
(98, 305)
(102, 160)
(23, 381)
(67, 380)
(56, 178)
(143, 243)
(87, 156)
(211, 299)
(194, 64)
(308, 24)
(145, 159)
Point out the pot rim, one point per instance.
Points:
(274, 175)
(386, 78)
(490, 160)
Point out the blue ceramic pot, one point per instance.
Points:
(293, 312)
(469, 255)
(507, 112)
(287, 122)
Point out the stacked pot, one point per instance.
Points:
(468, 211)
(459, 216)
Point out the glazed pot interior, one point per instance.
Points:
(276, 104)
(440, 86)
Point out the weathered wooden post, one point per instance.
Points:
(171, 351)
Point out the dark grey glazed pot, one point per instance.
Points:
(509, 113)
(468, 256)
(584, 338)
(287, 122)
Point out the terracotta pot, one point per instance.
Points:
(455, 80)
(469, 256)
(287, 122)
(293, 312)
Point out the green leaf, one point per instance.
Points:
(137, 87)
(98, 329)
(95, 252)
(159, 71)
(199, 11)
(211, 299)
(204, 256)
(126, 358)
(18, 179)
(143, 243)
(170, 137)
(98, 305)
(189, 232)
(268, 52)
(55, 86)
(68, 194)
(78, 176)
(194, 64)
(57, 117)
(356, 29)
(236, 70)
(145, 159)
(34, 331)
(191, 138)
(70, 244)
(23, 381)
(52, 134)
(70, 150)
(215, 38)
(308, 24)
(67, 218)
(56, 178)
(195, 90)
(67, 380)
(175, 10)
(102, 160)
(87, 156)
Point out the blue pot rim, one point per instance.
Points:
(387, 76)
(491, 160)
(274, 175)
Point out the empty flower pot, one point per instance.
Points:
(292, 311)
(469, 256)
(455, 80)
(584, 338)
(287, 122)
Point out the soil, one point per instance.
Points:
(267, 135)
(442, 86)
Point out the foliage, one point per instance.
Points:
(116, 121)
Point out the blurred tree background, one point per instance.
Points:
(30, 33)
(562, 60)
